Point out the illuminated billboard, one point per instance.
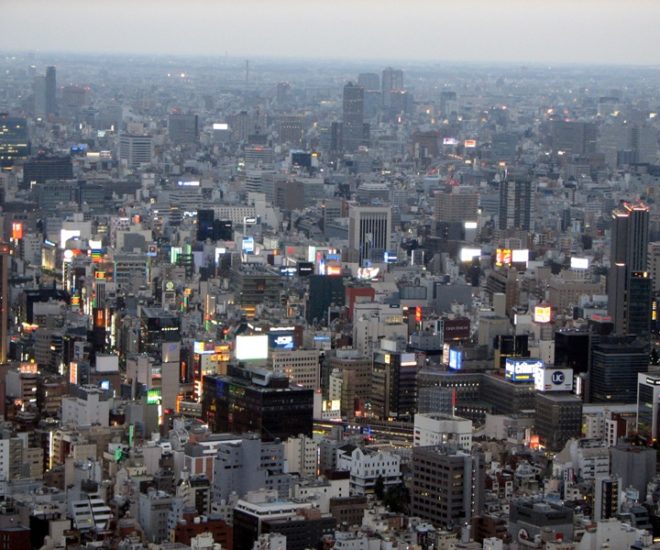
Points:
(520, 256)
(248, 245)
(550, 379)
(367, 273)
(66, 234)
(17, 231)
(503, 256)
(521, 370)
(251, 348)
(449, 141)
(220, 126)
(455, 359)
(281, 338)
(579, 263)
(467, 254)
(542, 314)
(470, 143)
(188, 183)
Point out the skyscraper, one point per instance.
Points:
(628, 259)
(51, 90)
(183, 128)
(369, 230)
(353, 130)
(5, 253)
(392, 81)
(516, 203)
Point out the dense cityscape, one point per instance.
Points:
(267, 304)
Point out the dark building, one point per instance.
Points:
(302, 531)
(448, 485)
(257, 400)
(157, 326)
(303, 527)
(183, 129)
(205, 219)
(568, 136)
(14, 140)
(528, 518)
(558, 419)
(615, 363)
(324, 291)
(43, 168)
(32, 296)
(51, 91)
(572, 350)
(353, 127)
(5, 266)
(15, 537)
(256, 285)
(629, 302)
(516, 203)
(394, 385)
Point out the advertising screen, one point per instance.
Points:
(305, 268)
(467, 254)
(251, 348)
(542, 314)
(248, 245)
(579, 263)
(503, 256)
(281, 339)
(455, 359)
(521, 370)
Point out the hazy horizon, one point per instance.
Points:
(478, 31)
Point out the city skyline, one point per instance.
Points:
(513, 31)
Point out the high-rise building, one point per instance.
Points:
(615, 364)
(516, 204)
(394, 385)
(456, 207)
(42, 168)
(135, 149)
(558, 418)
(51, 91)
(324, 292)
(369, 230)
(369, 81)
(14, 141)
(353, 128)
(628, 256)
(5, 266)
(648, 405)
(183, 128)
(391, 82)
(257, 400)
(448, 485)
(570, 136)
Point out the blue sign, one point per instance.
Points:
(558, 378)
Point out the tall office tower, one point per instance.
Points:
(136, 150)
(39, 95)
(353, 129)
(391, 81)
(628, 256)
(51, 90)
(653, 264)
(14, 141)
(369, 230)
(448, 485)
(5, 265)
(578, 138)
(369, 81)
(615, 363)
(183, 128)
(394, 384)
(516, 203)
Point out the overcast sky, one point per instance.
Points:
(520, 31)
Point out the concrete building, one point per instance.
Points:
(441, 429)
(366, 466)
(301, 366)
(88, 407)
(447, 485)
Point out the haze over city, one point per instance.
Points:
(503, 31)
